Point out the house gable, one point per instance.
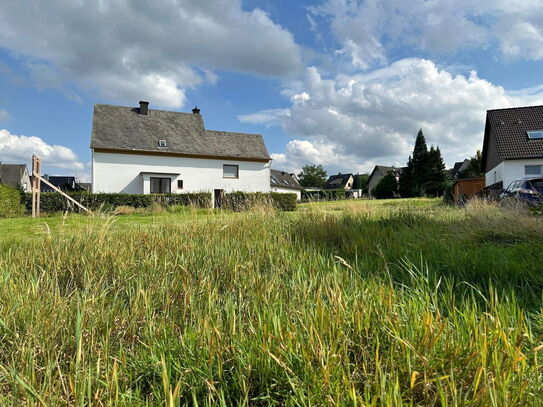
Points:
(282, 179)
(14, 175)
(340, 181)
(506, 136)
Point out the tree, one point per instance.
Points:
(387, 187)
(407, 184)
(475, 167)
(312, 176)
(420, 163)
(435, 173)
(425, 172)
(361, 181)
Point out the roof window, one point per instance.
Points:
(162, 143)
(536, 134)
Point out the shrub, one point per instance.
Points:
(54, 202)
(284, 202)
(197, 199)
(448, 193)
(387, 187)
(10, 202)
(242, 201)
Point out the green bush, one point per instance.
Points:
(448, 193)
(242, 201)
(51, 202)
(197, 199)
(10, 202)
(284, 202)
(386, 188)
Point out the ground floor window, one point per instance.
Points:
(160, 185)
(532, 170)
(179, 184)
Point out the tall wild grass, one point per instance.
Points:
(363, 306)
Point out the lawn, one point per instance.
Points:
(353, 303)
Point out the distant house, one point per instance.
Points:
(139, 150)
(379, 172)
(340, 181)
(458, 167)
(513, 145)
(63, 182)
(15, 175)
(281, 181)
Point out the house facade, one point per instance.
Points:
(379, 171)
(284, 182)
(340, 181)
(15, 175)
(513, 145)
(141, 151)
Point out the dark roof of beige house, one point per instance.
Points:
(382, 170)
(125, 129)
(284, 179)
(506, 135)
(12, 174)
(338, 181)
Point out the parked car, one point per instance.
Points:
(528, 190)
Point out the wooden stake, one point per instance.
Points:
(36, 188)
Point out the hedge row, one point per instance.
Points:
(324, 195)
(54, 202)
(242, 201)
(51, 202)
(10, 202)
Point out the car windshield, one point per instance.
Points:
(536, 183)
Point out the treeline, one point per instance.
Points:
(424, 175)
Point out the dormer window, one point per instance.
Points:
(162, 143)
(536, 134)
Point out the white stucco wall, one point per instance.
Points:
(288, 191)
(122, 173)
(510, 170)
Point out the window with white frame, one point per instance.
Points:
(230, 171)
(530, 170)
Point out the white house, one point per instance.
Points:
(142, 151)
(513, 145)
(285, 182)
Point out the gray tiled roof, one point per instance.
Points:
(11, 174)
(337, 181)
(123, 128)
(283, 179)
(508, 127)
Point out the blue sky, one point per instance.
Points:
(342, 83)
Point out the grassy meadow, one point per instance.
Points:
(353, 303)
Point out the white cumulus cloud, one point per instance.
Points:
(19, 149)
(352, 122)
(127, 50)
(369, 30)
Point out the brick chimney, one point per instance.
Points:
(144, 107)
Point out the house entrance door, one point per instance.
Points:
(218, 198)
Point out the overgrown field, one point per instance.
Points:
(392, 303)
